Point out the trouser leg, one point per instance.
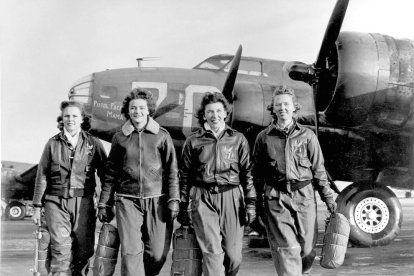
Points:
(282, 233)
(292, 230)
(129, 218)
(59, 224)
(307, 225)
(218, 222)
(44, 252)
(206, 225)
(83, 234)
(157, 233)
(232, 229)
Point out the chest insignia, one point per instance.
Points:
(299, 147)
(227, 152)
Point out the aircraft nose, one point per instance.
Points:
(81, 91)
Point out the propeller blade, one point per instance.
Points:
(164, 109)
(332, 32)
(328, 43)
(231, 76)
(317, 74)
(315, 87)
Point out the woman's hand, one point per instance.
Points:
(105, 214)
(36, 216)
(174, 208)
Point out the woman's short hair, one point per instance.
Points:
(86, 125)
(283, 90)
(208, 98)
(138, 93)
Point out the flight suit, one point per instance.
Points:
(216, 182)
(288, 166)
(65, 181)
(142, 170)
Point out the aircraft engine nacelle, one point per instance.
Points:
(374, 82)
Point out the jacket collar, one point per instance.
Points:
(62, 136)
(272, 128)
(203, 131)
(151, 126)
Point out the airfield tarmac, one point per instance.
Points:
(17, 245)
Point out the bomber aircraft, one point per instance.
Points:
(357, 96)
(17, 186)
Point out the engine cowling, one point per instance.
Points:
(375, 82)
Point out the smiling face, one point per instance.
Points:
(72, 119)
(215, 114)
(283, 107)
(138, 112)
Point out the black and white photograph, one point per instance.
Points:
(266, 137)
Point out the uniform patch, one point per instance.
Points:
(299, 147)
(227, 152)
(89, 149)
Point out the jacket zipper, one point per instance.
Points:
(140, 168)
(216, 159)
(287, 158)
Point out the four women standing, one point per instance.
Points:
(216, 187)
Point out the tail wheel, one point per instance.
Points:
(374, 213)
(16, 211)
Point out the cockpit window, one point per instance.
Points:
(81, 90)
(108, 92)
(249, 67)
(214, 63)
(246, 67)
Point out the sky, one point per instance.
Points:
(47, 45)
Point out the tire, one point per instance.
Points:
(16, 211)
(374, 213)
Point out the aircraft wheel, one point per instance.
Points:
(374, 213)
(16, 211)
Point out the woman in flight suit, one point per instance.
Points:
(65, 183)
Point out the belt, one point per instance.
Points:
(73, 192)
(290, 185)
(217, 189)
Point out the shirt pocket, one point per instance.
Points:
(203, 173)
(234, 172)
(304, 163)
(271, 167)
(55, 173)
(304, 168)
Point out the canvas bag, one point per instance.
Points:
(335, 241)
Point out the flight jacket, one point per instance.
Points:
(141, 164)
(58, 175)
(303, 158)
(208, 161)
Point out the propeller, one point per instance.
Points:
(231, 76)
(322, 69)
(166, 108)
(332, 32)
